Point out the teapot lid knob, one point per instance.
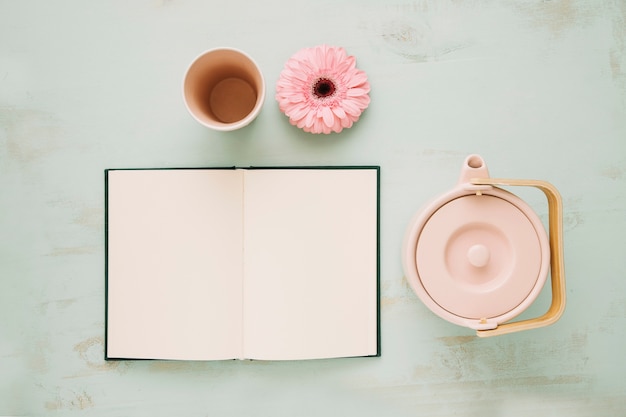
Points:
(478, 255)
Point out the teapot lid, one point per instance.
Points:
(478, 256)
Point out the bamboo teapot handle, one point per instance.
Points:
(557, 270)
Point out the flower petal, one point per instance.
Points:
(327, 115)
(346, 122)
(356, 92)
(357, 79)
(317, 126)
(337, 127)
(297, 112)
(339, 112)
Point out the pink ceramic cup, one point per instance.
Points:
(224, 89)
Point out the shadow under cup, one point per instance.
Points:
(224, 89)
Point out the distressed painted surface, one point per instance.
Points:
(537, 87)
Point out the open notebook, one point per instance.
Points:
(232, 263)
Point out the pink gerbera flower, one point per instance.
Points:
(321, 90)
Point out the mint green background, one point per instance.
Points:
(538, 88)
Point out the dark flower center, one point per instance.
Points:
(324, 87)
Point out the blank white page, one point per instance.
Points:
(310, 263)
(174, 264)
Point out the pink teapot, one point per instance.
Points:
(478, 255)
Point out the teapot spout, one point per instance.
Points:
(473, 167)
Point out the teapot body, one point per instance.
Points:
(476, 255)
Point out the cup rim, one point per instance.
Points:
(224, 127)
